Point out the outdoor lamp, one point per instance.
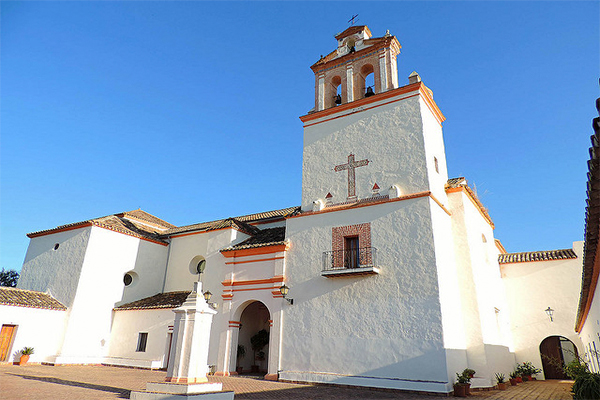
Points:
(550, 313)
(284, 291)
(207, 295)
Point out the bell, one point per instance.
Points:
(369, 92)
(338, 99)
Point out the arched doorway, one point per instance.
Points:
(556, 351)
(254, 336)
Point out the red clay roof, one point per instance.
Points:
(28, 298)
(352, 30)
(530, 256)
(160, 300)
(591, 266)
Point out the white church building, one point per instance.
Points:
(395, 278)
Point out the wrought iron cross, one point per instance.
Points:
(350, 166)
(351, 20)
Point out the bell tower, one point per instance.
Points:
(367, 138)
(357, 56)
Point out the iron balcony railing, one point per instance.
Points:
(349, 259)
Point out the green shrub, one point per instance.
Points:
(575, 368)
(586, 386)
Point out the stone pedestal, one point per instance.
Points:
(187, 368)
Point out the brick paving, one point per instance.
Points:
(39, 382)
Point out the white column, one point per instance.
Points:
(191, 337)
(383, 76)
(321, 93)
(349, 83)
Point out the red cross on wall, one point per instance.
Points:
(350, 166)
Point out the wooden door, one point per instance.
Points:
(552, 358)
(6, 338)
(351, 257)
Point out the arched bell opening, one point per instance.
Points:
(365, 84)
(333, 92)
(252, 348)
(556, 352)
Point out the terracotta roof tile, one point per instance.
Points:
(28, 298)
(237, 222)
(530, 256)
(122, 222)
(266, 237)
(592, 226)
(161, 300)
(352, 30)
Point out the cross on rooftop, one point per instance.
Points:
(351, 21)
(351, 166)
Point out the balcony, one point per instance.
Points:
(350, 262)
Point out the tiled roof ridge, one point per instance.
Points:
(162, 223)
(147, 304)
(40, 299)
(218, 223)
(131, 229)
(244, 227)
(531, 256)
(589, 279)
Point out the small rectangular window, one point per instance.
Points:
(437, 168)
(142, 340)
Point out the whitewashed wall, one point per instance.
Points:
(108, 257)
(531, 288)
(382, 330)
(127, 324)
(55, 271)
(488, 336)
(590, 334)
(38, 328)
(389, 136)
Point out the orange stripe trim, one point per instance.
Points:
(248, 289)
(354, 206)
(360, 102)
(200, 232)
(431, 104)
(378, 97)
(362, 109)
(251, 261)
(69, 228)
(591, 291)
(440, 204)
(275, 279)
(254, 251)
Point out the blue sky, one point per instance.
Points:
(189, 110)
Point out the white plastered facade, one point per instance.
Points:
(436, 302)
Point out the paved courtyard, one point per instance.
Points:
(39, 382)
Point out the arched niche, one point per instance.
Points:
(254, 316)
(332, 89)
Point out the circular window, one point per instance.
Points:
(128, 279)
(197, 265)
(56, 246)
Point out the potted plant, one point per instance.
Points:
(470, 372)
(241, 353)
(501, 380)
(258, 342)
(25, 353)
(513, 379)
(527, 370)
(462, 384)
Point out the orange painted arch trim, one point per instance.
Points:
(254, 251)
(65, 229)
(258, 260)
(275, 279)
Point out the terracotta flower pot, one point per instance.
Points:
(526, 378)
(460, 390)
(468, 385)
(519, 379)
(513, 381)
(502, 386)
(23, 360)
